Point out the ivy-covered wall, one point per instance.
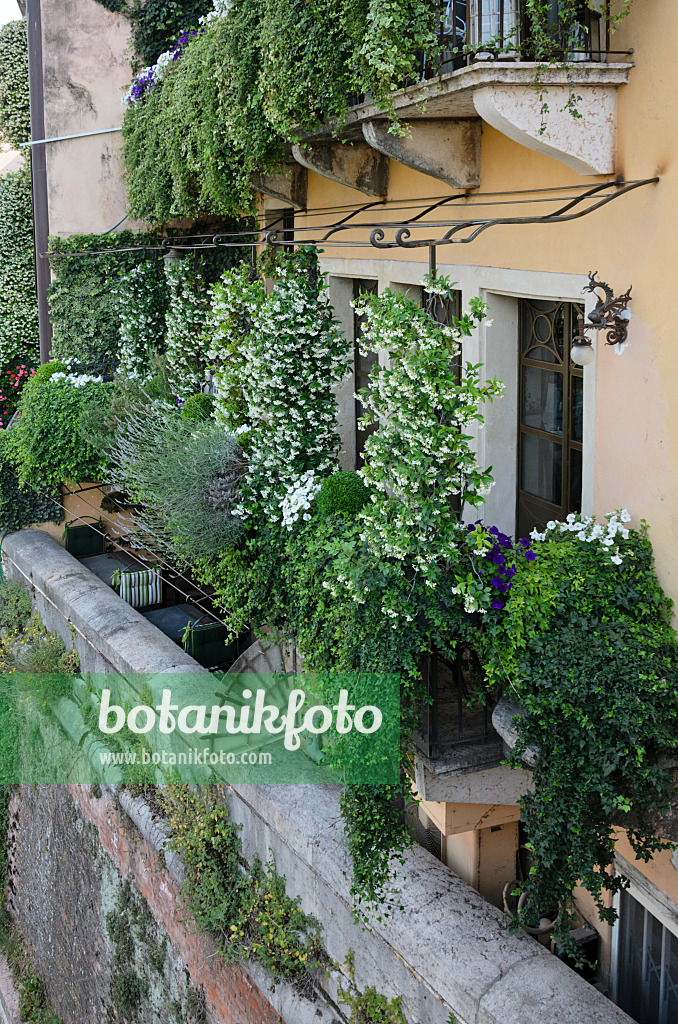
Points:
(224, 102)
(15, 114)
(19, 340)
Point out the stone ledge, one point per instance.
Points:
(447, 951)
(451, 95)
(110, 634)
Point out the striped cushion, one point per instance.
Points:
(140, 589)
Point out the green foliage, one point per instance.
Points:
(342, 494)
(244, 907)
(157, 23)
(257, 78)
(15, 114)
(19, 340)
(44, 372)
(31, 648)
(296, 34)
(370, 1006)
(22, 505)
(15, 605)
(144, 298)
(33, 1005)
(85, 306)
(46, 447)
(277, 357)
(586, 645)
(198, 408)
(186, 323)
(190, 147)
(186, 475)
(133, 933)
(393, 34)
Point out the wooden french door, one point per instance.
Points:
(550, 417)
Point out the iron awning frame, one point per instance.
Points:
(586, 200)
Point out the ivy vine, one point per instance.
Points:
(19, 339)
(15, 114)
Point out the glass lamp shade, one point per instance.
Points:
(582, 354)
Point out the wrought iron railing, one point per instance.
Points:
(458, 709)
(471, 31)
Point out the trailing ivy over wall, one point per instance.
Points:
(586, 645)
(15, 116)
(112, 305)
(248, 83)
(156, 23)
(19, 339)
(260, 74)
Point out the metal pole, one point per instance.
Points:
(39, 173)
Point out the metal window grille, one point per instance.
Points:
(646, 969)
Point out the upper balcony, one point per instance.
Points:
(489, 69)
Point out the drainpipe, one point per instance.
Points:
(39, 172)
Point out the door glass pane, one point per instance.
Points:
(543, 399)
(575, 480)
(577, 410)
(541, 468)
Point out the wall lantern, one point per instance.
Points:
(610, 315)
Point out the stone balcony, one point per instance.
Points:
(443, 119)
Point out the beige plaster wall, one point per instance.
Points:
(86, 71)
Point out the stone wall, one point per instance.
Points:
(73, 851)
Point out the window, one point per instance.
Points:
(494, 21)
(363, 363)
(550, 418)
(646, 968)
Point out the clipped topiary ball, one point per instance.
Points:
(44, 372)
(198, 408)
(342, 494)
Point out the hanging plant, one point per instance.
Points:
(186, 320)
(279, 367)
(144, 297)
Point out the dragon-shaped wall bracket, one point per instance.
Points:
(610, 314)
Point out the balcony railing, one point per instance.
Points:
(454, 713)
(482, 30)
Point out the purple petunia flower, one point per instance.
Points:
(498, 605)
(530, 556)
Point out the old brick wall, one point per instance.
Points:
(71, 853)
